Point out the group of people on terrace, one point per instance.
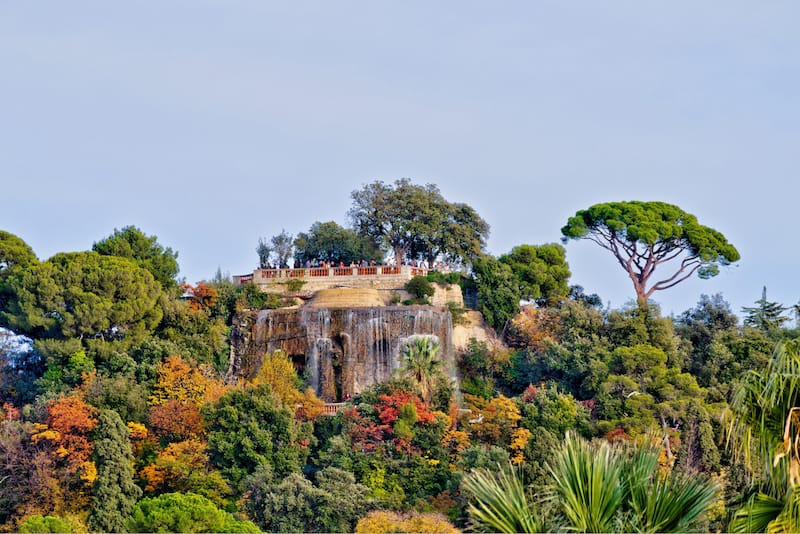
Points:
(316, 264)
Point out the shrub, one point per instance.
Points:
(37, 523)
(382, 521)
(420, 287)
(457, 312)
(179, 512)
(444, 279)
(295, 284)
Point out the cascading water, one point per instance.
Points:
(343, 350)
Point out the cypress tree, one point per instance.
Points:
(114, 494)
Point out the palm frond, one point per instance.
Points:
(587, 484)
(757, 514)
(500, 502)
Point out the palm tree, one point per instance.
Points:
(595, 487)
(763, 429)
(421, 363)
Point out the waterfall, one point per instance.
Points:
(345, 350)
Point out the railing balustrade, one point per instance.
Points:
(332, 408)
(323, 272)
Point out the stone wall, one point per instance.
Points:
(341, 351)
(382, 278)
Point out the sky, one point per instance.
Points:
(212, 123)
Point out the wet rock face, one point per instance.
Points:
(340, 351)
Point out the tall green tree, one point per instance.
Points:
(15, 255)
(84, 295)
(14, 252)
(282, 247)
(644, 236)
(766, 315)
(416, 221)
(115, 493)
(334, 504)
(249, 428)
(458, 234)
(132, 243)
(263, 250)
(330, 242)
(498, 290)
(542, 271)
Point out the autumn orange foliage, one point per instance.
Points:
(176, 420)
(534, 328)
(201, 297)
(389, 407)
(70, 421)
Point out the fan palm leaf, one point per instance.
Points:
(500, 502)
(586, 484)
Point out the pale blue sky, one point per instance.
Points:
(211, 123)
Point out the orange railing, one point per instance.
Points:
(319, 272)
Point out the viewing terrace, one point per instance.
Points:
(383, 277)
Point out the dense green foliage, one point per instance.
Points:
(131, 411)
(420, 288)
(37, 524)
(542, 271)
(329, 242)
(255, 418)
(84, 295)
(498, 290)
(177, 512)
(145, 251)
(114, 494)
(416, 222)
(334, 504)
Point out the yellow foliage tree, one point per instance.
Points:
(492, 421)
(182, 467)
(384, 522)
(180, 381)
(519, 439)
(534, 328)
(455, 441)
(278, 372)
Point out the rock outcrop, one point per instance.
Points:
(340, 347)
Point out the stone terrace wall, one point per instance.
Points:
(383, 277)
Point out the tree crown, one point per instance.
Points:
(643, 235)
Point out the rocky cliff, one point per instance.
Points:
(340, 347)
